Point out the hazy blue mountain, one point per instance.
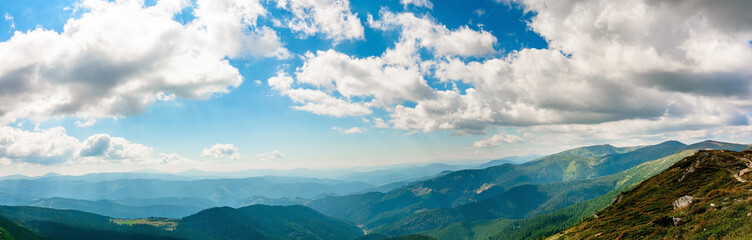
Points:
(716, 145)
(111, 176)
(133, 208)
(510, 160)
(598, 150)
(403, 174)
(275, 201)
(229, 192)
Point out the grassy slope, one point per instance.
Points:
(547, 224)
(646, 211)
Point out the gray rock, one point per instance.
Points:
(683, 201)
(618, 198)
(677, 221)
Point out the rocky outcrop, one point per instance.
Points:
(683, 201)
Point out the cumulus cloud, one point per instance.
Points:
(417, 3)
(46, 147)
(496, 140)
(644, 66)
(428, 34)
(221, 151)
(608, 62)
(351, 130)
(268, 156)
(362, 83)
(336, 84)
(96, 67)
(53, 146)
(332, 18)
(103, 147)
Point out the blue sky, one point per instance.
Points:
(277, 84)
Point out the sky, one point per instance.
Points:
(228, 85)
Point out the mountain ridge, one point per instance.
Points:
(706, 195)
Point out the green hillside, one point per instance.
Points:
(10, 230)
(535, 200)
(264, 222)
(253, 222)
(69, 224)
(705, 196)
(454, 189)
(546, 224)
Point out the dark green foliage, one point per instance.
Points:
(68, 224)
(411, 237)
(10, 230)
(377, 236)
(372, 236)
(253, 222)
(264, 222)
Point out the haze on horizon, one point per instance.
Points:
(228, 85)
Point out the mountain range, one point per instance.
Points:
(494, 200)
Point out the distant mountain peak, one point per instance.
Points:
(672, 142)
(52, 174)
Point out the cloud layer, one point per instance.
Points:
(94, 68)
(647, 66)
(54, 147)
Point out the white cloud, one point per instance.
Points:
(380, 123)
(9, 18)
(49, 146)
(332, 18)
(362, 83)
(427, 33)
(103, 147)
(335, 84)
(496, 140)
(97, 67)
(54, 147)
(417, 3)
(349, 130)
(646, 66)
(479, 12)
(268, 156)
(221, 151)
